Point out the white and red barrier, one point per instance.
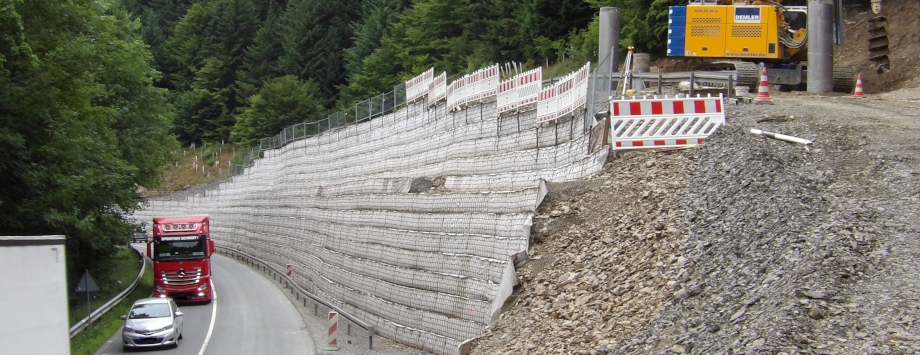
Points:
(418, 86)
(564, 97)
(480, 85)
(520, 91)
(437, 90)
(664, 123)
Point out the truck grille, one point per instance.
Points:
(191, 277)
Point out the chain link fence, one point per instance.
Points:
(361, 112)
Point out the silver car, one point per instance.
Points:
(152, 322)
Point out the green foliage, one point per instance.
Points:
(93, 337)
(644, 23)
(217, 54)
(281, 103)
(314, 35)
(260, 61)
(82, 126)
(376, 18)
(209, 153)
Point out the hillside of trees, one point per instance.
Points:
(241, 70)
(98, 95)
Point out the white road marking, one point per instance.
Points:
(207, 338)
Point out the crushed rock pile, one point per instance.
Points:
(743, 245)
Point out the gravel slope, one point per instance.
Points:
(744, 245)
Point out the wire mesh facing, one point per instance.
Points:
(363, 111)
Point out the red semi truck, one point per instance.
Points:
(181, 250)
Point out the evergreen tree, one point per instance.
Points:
(315, 34)
(260, 62)
(234, 25)
(281, 103)
(376, 18)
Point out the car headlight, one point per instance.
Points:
(160, 289)
(129, 329)
(203, 287)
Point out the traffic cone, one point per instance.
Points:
(763, 91)
(859, 89)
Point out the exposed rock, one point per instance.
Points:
(741, 245)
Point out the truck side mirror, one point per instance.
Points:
(210, 246)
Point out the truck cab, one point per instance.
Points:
(181, 249)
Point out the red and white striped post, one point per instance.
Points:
(332, 343)
(289, 269)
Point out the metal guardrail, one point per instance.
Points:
(95, 315)
(726, 79)
(367, 327)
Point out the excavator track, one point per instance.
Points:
(746, 73)
(844, 79)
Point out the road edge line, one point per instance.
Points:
(207, 338)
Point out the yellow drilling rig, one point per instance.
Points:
(737, 35)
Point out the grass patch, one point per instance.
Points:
(92, 338)
(197, 166)
(125, 270)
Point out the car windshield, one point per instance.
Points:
(191, 247)
(149, 310)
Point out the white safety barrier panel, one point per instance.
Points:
(418, 86)
(664, 123)
(437, 91)
(480, 85)
(520, 91)
(564, 97)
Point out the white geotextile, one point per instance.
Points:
(426, 269)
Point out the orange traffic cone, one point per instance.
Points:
(763, 91)
(859, 89)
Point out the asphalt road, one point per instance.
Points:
(252, 316)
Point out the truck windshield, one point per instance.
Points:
(179, 248)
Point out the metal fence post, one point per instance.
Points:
(692, 82)
(731, 84)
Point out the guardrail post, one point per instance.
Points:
(659, 83)
(370, 337)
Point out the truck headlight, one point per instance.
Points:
(203, 287)
(160, 289)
